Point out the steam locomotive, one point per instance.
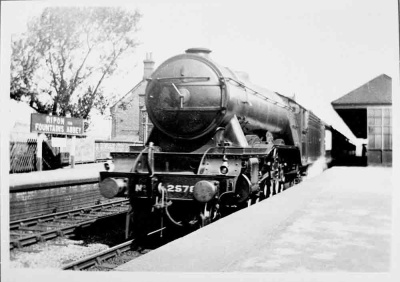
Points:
(219, 144)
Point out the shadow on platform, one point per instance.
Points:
(350, 161)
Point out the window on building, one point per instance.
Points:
(145, 126)
(380, 128)
(374, 128)
(387, 129)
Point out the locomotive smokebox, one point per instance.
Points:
(189, 96)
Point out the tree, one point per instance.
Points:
(60, 64)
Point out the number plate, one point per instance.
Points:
(174, 191)
(179, 188)
(170, 188)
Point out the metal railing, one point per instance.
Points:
(23, 156)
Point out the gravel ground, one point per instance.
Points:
(52, 254)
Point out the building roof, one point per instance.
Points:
(142, 83)
(377, 91)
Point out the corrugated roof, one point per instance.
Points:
(376, 91)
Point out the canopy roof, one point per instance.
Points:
(377, 91)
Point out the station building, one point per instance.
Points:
(367, 111)
(130, 121)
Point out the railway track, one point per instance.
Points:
(119, 254)
(39, 229)
(110, 258)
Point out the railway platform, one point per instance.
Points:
(49, 177)
(338, 221)
(45, 192)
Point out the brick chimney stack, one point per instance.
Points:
(148, 66)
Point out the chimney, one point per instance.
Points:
(199, 51)
(148, 66)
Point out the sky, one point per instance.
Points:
(317, 50)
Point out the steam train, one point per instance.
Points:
(219, 144)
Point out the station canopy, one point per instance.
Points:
(352, 107)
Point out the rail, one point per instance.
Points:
(103, 259)
(39, 229)
(99, 258)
